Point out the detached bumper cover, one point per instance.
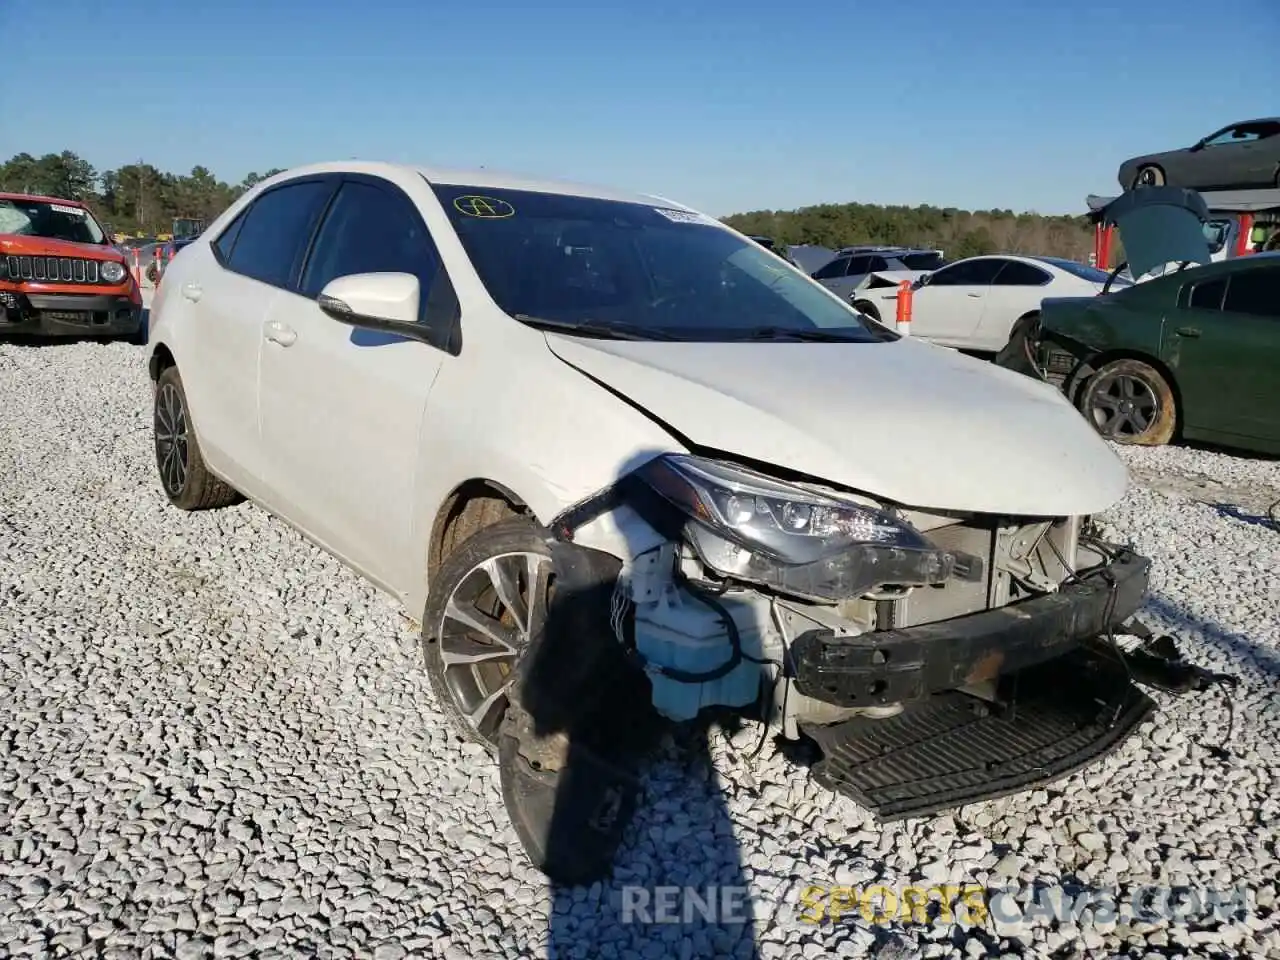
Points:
(69, 315)
(892, 666)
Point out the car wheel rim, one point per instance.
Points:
(171, 439)
(1124, 407)
(487, 625)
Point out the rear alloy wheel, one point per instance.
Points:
(1129, 402)
(489, 600)
(1149, 176)
(186, 480)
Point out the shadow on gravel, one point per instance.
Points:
(575, 749)
(1230, 511)
(1238, 646)
(1227, 451)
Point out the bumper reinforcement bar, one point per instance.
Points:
(910, 664)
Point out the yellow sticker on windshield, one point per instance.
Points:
(487, 208)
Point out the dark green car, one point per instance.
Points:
(1193, 354)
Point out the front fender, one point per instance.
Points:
(532, 425)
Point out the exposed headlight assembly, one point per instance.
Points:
(750, 527)
(111, 272)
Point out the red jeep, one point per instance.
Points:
(60, 275)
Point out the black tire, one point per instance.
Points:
(1130, 402)
(185, 479)
(868, 308)
(1148, 176)
(563, 685)
(1014, 354)
(573, 719)
(139, 337)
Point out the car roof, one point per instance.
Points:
(887, 251)
(1230, 264)
(479, 178)
(40, 197)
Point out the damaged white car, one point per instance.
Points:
(628, 467)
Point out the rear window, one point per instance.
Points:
(923, 261)
(1082, 270)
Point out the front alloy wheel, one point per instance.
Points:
(488, 623)
(1128, 401)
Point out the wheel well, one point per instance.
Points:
(863, 301)
(1096, 363)
(161, 360)
(471, 507)
(1143, 166)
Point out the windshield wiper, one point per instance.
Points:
(782, 333)
(591, 328)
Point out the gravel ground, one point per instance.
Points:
(218, 742)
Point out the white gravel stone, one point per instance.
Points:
(218, 742)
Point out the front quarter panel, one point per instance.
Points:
(508, 411)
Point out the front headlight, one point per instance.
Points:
(751, 527)
(111, 272)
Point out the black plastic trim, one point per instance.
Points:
(909, 664)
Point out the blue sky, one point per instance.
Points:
(1022, 104)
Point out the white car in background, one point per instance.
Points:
(624, 463)
(973, 304)
(853, 265)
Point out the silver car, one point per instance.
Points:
(851, 267)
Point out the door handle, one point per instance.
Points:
(192, 291)
(1189, 332)
(278, 332)
(975, 296)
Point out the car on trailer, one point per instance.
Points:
(628, 468)
(1240, 156)
(60, 273)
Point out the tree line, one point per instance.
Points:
(960, 233)
(134, 198)
(139, 198)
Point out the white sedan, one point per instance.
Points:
(623, 464)
(973, 304)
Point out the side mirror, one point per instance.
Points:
(387, 302)
(1198, 145)
(921, 281)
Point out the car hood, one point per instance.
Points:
(903, 421)
(1160, 225)
(20, 244)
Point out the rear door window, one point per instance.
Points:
(277, 230)
(967, 273)
(836, 268)
(1015, 273)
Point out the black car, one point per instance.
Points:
(1238, 157)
